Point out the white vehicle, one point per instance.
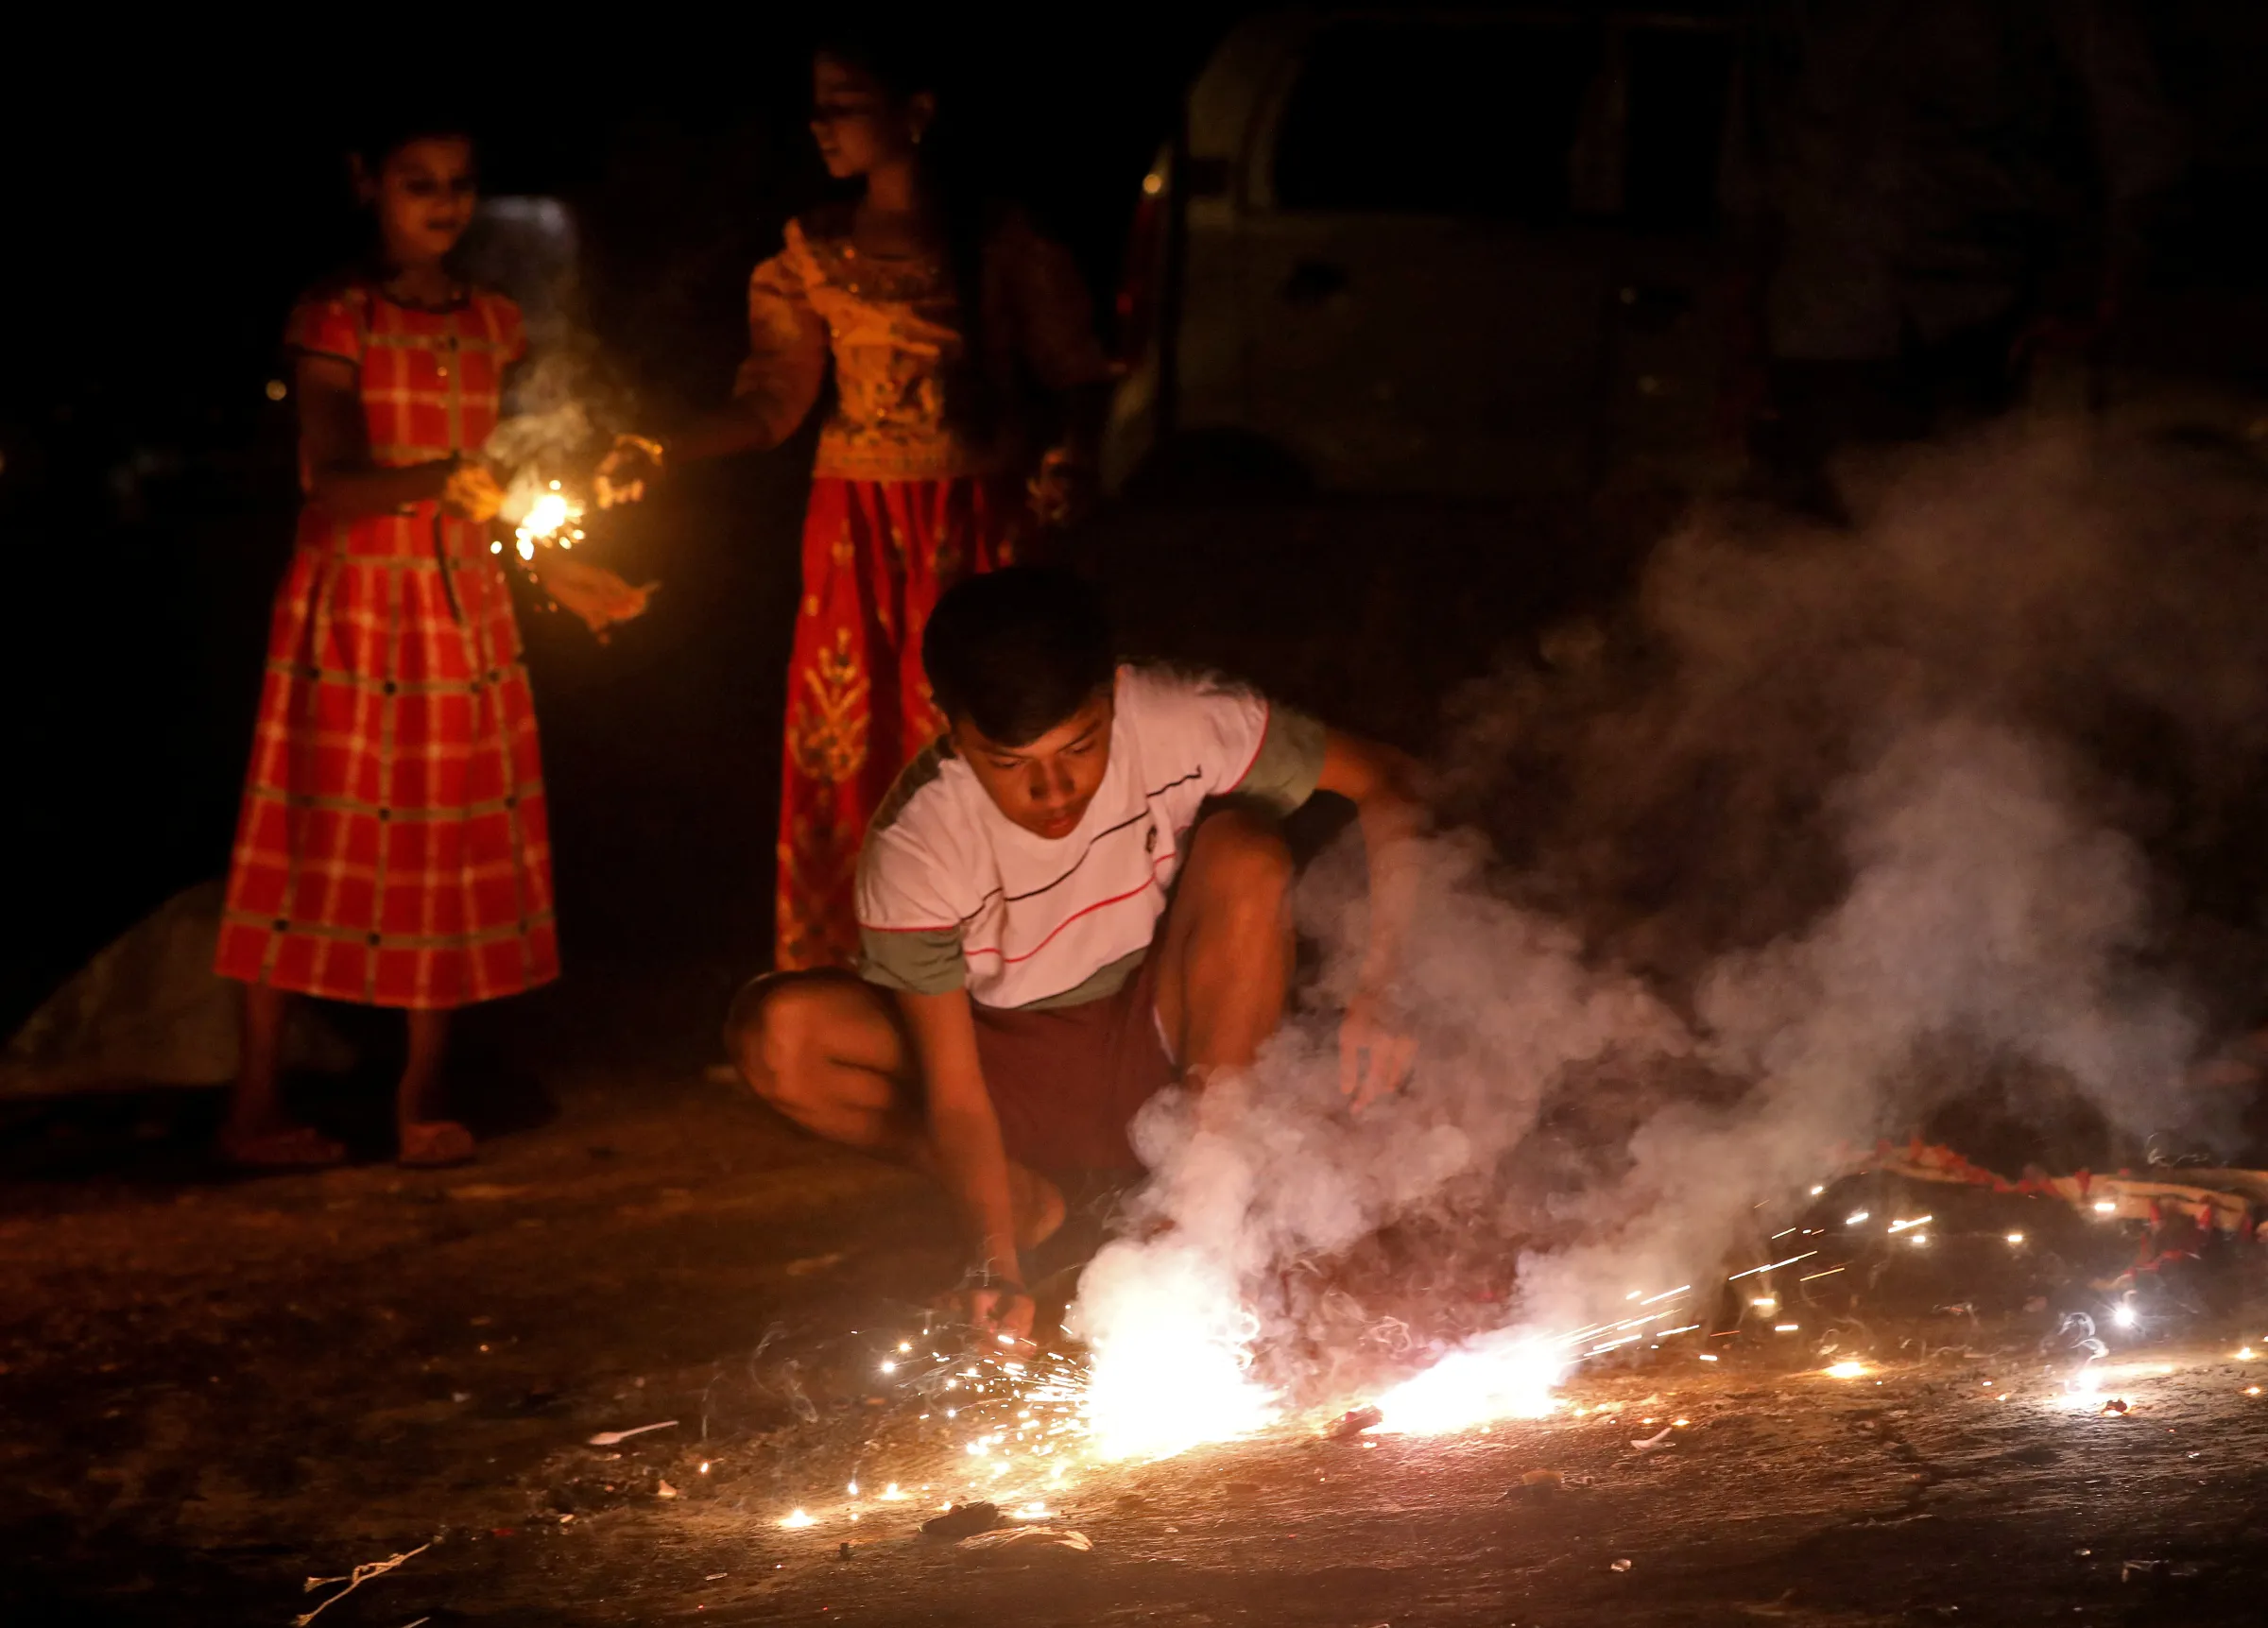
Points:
(1452, 254)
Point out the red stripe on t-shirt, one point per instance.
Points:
(1007, 960)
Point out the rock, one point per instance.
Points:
(1536, 1484)
(963, 1520)
(149, 1010)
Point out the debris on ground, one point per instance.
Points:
(1353, 1422)
(608, 1438)
(1657, 1444)
(1620, 1566)
(2158, 1571)
(965, 1520)
(1024, 1545)
(354, 1580)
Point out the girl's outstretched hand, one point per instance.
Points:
(1064, 489)
(472, 494)
(592, 592)
(626, 471)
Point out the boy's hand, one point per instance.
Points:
(994, 1310)
(1374, 1053)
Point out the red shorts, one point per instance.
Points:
(1066, 1082)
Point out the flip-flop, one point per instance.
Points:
(294, 1147)
(435, 1144)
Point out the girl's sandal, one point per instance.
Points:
(435, 1144)
(294, 1147)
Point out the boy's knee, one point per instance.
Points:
(768, 1026)
(1247, 854)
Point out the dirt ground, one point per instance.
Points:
(212, 1390)
(215, 1390)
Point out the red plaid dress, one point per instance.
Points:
(392, 848)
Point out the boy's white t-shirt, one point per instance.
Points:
(952, 894)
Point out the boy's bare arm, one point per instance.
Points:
(1374, 1055)
(971, 1162)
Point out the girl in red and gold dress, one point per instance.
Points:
(944, 321)
(392, 846)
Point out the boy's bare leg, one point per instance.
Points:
(256, 1132)
(428, 1138)
(825, 1049)
(1225, 968)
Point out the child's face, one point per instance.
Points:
(1046, 784)
(858, 126)
(424, 197)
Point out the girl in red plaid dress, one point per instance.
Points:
(935, 314)
(392, 848)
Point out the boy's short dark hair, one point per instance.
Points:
(1016, 652)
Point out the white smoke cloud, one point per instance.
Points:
(1826, 828)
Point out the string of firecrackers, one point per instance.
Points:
(2226, 1200)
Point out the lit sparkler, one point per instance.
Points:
(542, 515)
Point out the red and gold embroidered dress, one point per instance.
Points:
(393, 848)
(906, 498)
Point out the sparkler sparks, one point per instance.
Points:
(1471, 1387)
(1846, 1370)
(542, 515)
(1173, 1353)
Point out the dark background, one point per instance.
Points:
(173, 188)
(173, 194)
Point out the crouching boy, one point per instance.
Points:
(1076, 897)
